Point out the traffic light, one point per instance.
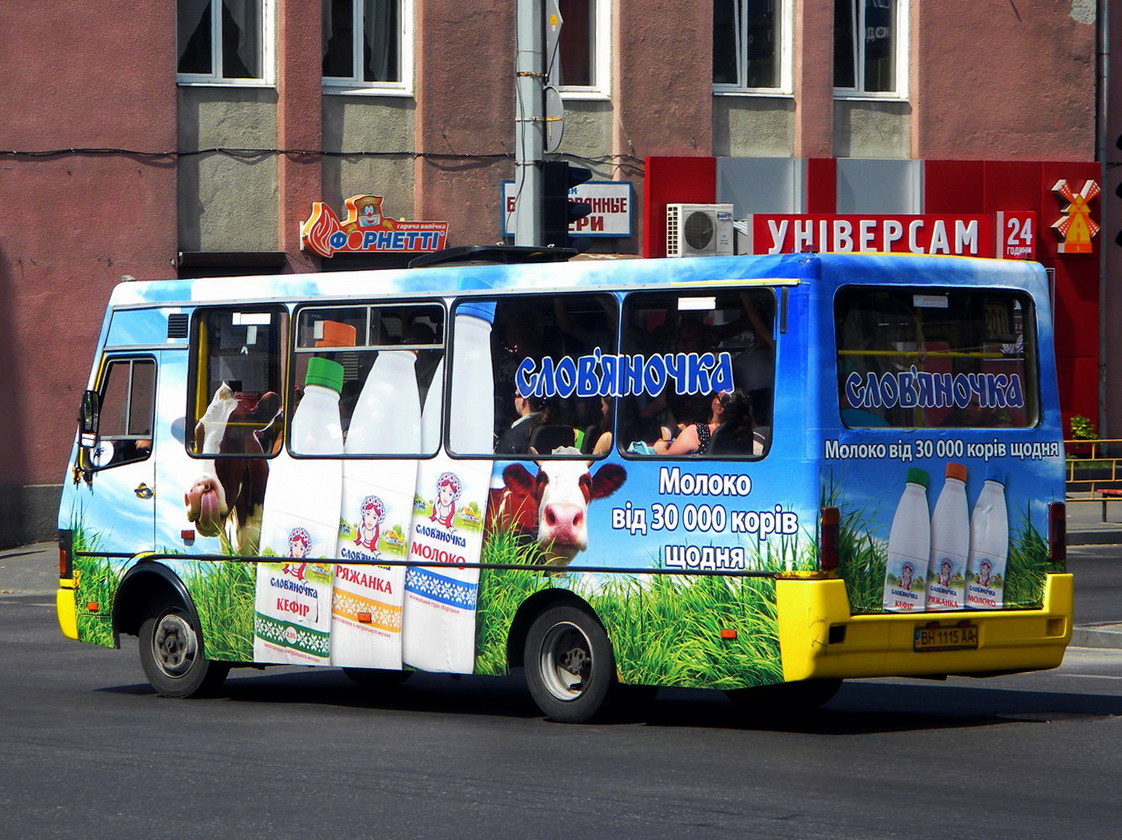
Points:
(1117, 192)
(1118, 236)
(558, 212)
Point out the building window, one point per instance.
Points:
(750, 45)
(582, 57)
(221, 40)
(869, 39)
(365, 43)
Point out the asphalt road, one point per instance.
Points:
(86, 749)
(1098, 583)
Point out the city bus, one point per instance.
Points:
(756, 474)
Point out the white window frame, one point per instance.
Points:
(785, 36)
(268, 60)
(902, 58)
(601, 53)
(354, 84)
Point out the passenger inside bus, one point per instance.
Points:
(726, 431)
(531, 412)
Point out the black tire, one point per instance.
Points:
(375, 680)
(786, 699)
(171, 653)
(570, 668)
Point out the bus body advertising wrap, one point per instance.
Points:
(726, 473)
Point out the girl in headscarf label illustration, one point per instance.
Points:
(448, 490)
(299, 547)
(371, 517)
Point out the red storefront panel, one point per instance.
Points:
(673, 180)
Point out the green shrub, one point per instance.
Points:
(1082, 428)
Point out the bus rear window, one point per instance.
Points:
(935, 358)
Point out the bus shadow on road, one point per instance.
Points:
(860, 708)
(865, 708)
(434, 693)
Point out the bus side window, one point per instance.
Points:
(128, 401)
(724, 393)
(389, 355)
(235, 404)
(542, 407)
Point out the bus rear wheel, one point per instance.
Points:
(172, 656)
(570, 668)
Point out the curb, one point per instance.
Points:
(1108, 537)
(1097, 636)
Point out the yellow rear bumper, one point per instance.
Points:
(67, 610)
(819, 638)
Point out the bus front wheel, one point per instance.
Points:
(570, 668)
(172, 656)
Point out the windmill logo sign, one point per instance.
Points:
(1076, 228)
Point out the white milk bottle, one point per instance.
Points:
(300, 522)
(950, 543)
(430, 416)
(909, 545)
(989, 546)
(438, 624)
(376, 512)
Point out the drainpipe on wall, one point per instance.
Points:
(1102, 20)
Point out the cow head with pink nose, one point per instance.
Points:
(553, 504)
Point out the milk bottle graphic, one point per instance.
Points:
(377, 507)
(989, 546)
(909, 545)
(300, 522)
(430, 417)
(950, 543)
(438, 623)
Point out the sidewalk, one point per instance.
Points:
(33, 569)
(1085, 525)
(29, 570)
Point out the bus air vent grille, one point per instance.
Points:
(177, 326)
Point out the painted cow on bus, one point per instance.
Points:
(227, 500)
(551, 506)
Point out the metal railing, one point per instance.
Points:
(1093, 471)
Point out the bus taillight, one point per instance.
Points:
(1057, 533)
(65, 558)
(830, 538)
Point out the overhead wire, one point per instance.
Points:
(619, 160)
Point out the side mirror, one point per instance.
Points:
(89, 419)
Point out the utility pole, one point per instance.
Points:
(529, 115)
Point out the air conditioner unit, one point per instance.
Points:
(699, 230)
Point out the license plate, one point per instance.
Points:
(935, 636)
